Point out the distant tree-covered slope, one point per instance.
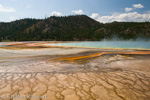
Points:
(127, 30)
(71, 28)
(14, 30)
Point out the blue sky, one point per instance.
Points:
(100, 10)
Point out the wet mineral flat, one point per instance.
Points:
(33, 71)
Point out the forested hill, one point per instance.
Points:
(71, 28)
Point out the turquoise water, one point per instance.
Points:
(108, 44)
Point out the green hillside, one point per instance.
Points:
(71, 28)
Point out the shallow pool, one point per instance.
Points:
(108, 44)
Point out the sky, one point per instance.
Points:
(104, 11)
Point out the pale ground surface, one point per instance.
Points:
(46, 73)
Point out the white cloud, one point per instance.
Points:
(138, 6)
(78, 11)
(128, 9)
(55, 13)
(135, 6)
(95, 15)
(6, 10)
(148, 12)
(12, 18)
(125, 17)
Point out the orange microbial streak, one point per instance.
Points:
(102, 53)
(82, 57)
